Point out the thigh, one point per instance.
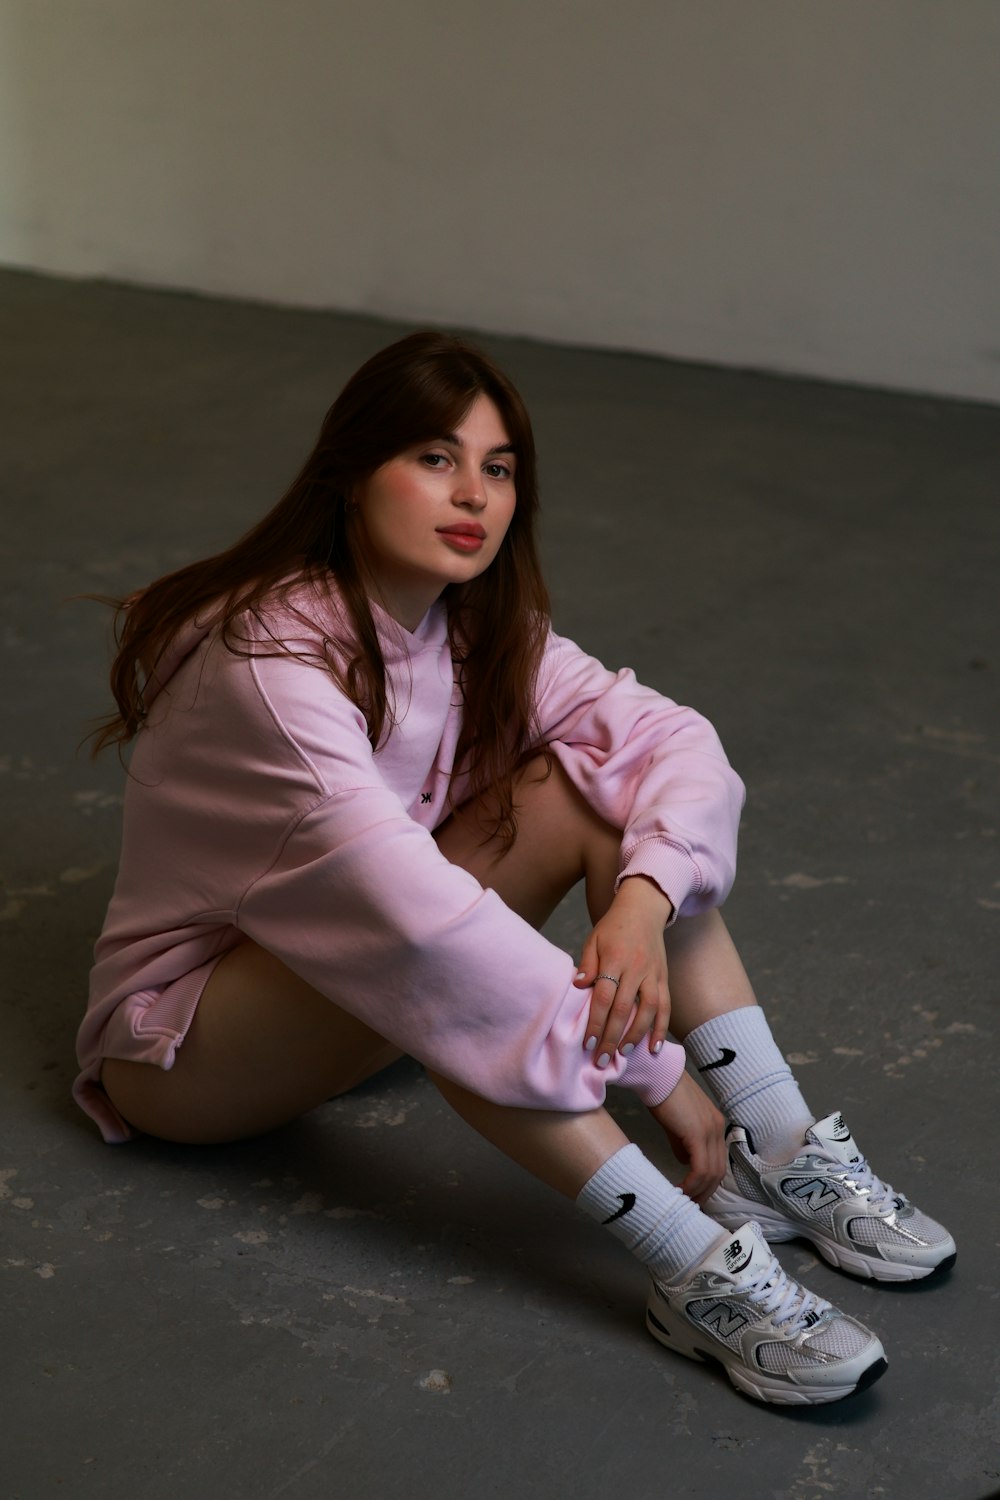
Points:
(263, 1048)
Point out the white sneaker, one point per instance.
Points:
(829, 1194)
(776, 1341)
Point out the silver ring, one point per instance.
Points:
(614, 981)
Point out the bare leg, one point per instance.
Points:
(706, 975)
(562, 1150)
(265, 1047)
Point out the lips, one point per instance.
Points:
(463, 528)
(464, 536)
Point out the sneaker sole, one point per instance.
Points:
(732, 1211)
(760, 1386)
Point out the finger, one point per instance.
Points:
(661, 1025)
(716, 1155)
(587, 970)
(720, 1156)
(617, 1019)
(601, 1001)
(707, 1170)
(697, 1189)
(700, 1182)
(645, 1020)
(705, 1192)
(695, 1181)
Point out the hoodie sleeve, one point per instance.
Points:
(650, 767)
(360, 902)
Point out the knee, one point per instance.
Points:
(548, 790)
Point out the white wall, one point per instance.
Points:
(779, 183)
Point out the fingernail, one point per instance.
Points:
(604, 1059)
(580, 974)
(657, 1048)
(628, 1047)
(590, 1044)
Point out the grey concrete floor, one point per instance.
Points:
(816, 568)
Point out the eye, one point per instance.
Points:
(497, 471)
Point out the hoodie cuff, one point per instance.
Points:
(652, 1077)
(668, 866)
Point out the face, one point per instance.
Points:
(437, 513)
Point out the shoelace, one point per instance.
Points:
(880, 1195)
(784, 1300)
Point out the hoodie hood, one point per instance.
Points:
(278, 618)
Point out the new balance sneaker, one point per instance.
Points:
(776, 1341)
(829, 1194)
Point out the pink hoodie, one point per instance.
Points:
(256, 807)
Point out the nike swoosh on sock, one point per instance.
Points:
(627, 1205)
(728, 1056)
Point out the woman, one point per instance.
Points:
(365, 772)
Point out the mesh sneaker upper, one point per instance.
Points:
(830, 1190)
(869, 1230)
(777, 1340)
(840, 1339)
(746, 1180)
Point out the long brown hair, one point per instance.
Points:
(415, 390)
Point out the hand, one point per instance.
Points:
(627, 943)
(696, 1132)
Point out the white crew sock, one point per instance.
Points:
(662, 1228)
(739, 1063)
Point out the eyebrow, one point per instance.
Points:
(453, 437)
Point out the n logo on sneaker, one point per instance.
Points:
(723, 1319)
(840, 1131)
(814, 1193)
(627, 1201)
(726, 1056)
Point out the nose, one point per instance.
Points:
(469, 491)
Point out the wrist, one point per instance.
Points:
(642, 893)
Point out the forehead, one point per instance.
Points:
(483, 426)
